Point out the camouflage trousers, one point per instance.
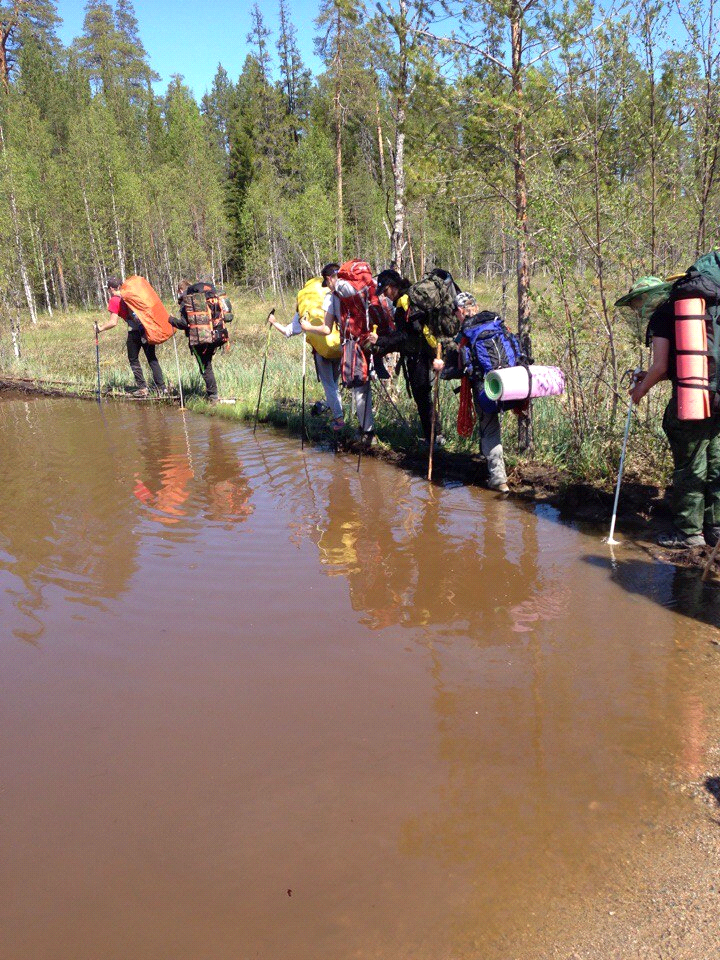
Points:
(695, 447)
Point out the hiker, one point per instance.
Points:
(488, 414)
(694, 444)
(314, 301)
(203, 317)
(417, 346)
(135, 341)
(338, 317)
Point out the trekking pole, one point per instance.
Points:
(304, 370)
(177, 367)
(97, 360)
(262, 378)
(436, 396)
(386, 394)
(611, 540)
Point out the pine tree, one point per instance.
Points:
(24, 18)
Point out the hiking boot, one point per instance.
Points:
(318, 408)
(338, 424)
(213, 400)
(677, 540)
(712, 535)
(368, 438)
(141, 392)
(499, 487)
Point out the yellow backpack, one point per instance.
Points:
(310, 305)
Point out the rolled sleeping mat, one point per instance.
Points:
(519, 383)
(691, 346)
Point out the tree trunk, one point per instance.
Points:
(525, 435)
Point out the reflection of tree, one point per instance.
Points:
(59, 526)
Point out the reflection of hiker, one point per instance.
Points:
(488, 416)
(695, 444)
(416, 344)
(313, 303)
(135, 340)
(228, 491)
(203, 318)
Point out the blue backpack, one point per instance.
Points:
(486, 344)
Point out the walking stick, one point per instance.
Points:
(262, 378)
(304, 370)
(177, 367)
(436, 395)
(97, 360)
(611, 540)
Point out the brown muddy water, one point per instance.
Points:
(258, 705)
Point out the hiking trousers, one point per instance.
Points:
(135, 343)
(420, 376)
(695, 447)
(204, 356)
(362, 400)
(328, 373)
(491, 445)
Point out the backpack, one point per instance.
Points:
(207, 312)
(140, 297)
(702, 280)
(433, 298)
(361, 311)
(310, 300)
(354, 368)
(487, 344)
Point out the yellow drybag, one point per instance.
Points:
(310, 305)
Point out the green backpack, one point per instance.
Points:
(432, 303)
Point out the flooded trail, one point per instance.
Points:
(255, 704)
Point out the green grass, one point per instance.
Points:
(61, 350)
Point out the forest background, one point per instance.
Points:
(546, 153)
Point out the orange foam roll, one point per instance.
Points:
(692, 360)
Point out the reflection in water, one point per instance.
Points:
(79, 533)
(420, 710)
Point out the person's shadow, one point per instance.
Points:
(679, 589)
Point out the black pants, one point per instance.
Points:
(204, 357)
(420, 379)
(134, 345)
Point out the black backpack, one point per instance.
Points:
(432, 304)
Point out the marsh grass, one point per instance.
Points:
(60, 350)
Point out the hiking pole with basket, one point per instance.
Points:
(177, 367)
(97, 360)
(304, 378)
(611, 540)
(262, 378)
(436, 397)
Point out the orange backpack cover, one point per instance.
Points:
(142, 299)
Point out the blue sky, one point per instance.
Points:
(167, 28)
